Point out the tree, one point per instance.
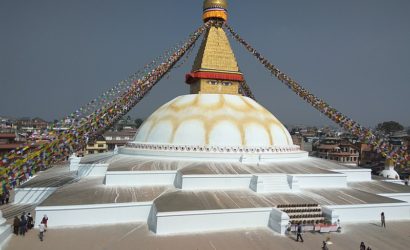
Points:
(389, 127)
(138, 122)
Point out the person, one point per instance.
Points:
(29, 221)
(406, 182)
(16, 225)
(368, 248)
(3, 198)
(44, 221)
(23, 224)
(299, 233)
(339, 226)
(362, 246)
(7, 197)
(42, 229)
(324, 247)
(383, 219)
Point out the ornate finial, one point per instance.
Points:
(215, 9)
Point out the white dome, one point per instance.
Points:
(213, 120)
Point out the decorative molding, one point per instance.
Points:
(214, 149)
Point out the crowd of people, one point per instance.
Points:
(379, 143)
(23, 224)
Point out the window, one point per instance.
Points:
(108, 138)
(100, 145)
(117, 138)
(126, 138)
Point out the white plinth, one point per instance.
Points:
(278, 221)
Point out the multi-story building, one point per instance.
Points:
(99, 146)
(28, 124)
(337, 149)
(8, 142)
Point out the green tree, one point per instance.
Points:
(138, 122)
(389, 127)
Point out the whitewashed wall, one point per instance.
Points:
(210, 220)
(320, 180)
(140, 178)
(353, 175)
(216, 181)
(99, 214)
(369, 212)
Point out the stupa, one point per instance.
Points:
(212, 160)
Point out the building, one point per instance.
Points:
(30, 125)
(96, 147)
(339, 150)
(8, 142)
(119, 138)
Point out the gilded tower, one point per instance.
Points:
(215, 70)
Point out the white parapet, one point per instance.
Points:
(368, 212)
(354, 175)
(270, 183)
(319, 180)
(398, 196)
(278, 221)
(208, 220)
(97, 169)
(74, 162)
(32, 195)
(97, 214)
(226, 181)
(140, 178)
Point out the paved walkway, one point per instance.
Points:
(137, 236)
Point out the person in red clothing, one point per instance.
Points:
(44, 220)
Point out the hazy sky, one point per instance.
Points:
(57, 55)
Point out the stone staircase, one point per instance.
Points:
(270, 183)
(303, 213)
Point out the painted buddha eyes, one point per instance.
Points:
(224, 83)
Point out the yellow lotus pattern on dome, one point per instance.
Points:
(213, 119)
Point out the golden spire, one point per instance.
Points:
(215, 9)
(215, 69)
